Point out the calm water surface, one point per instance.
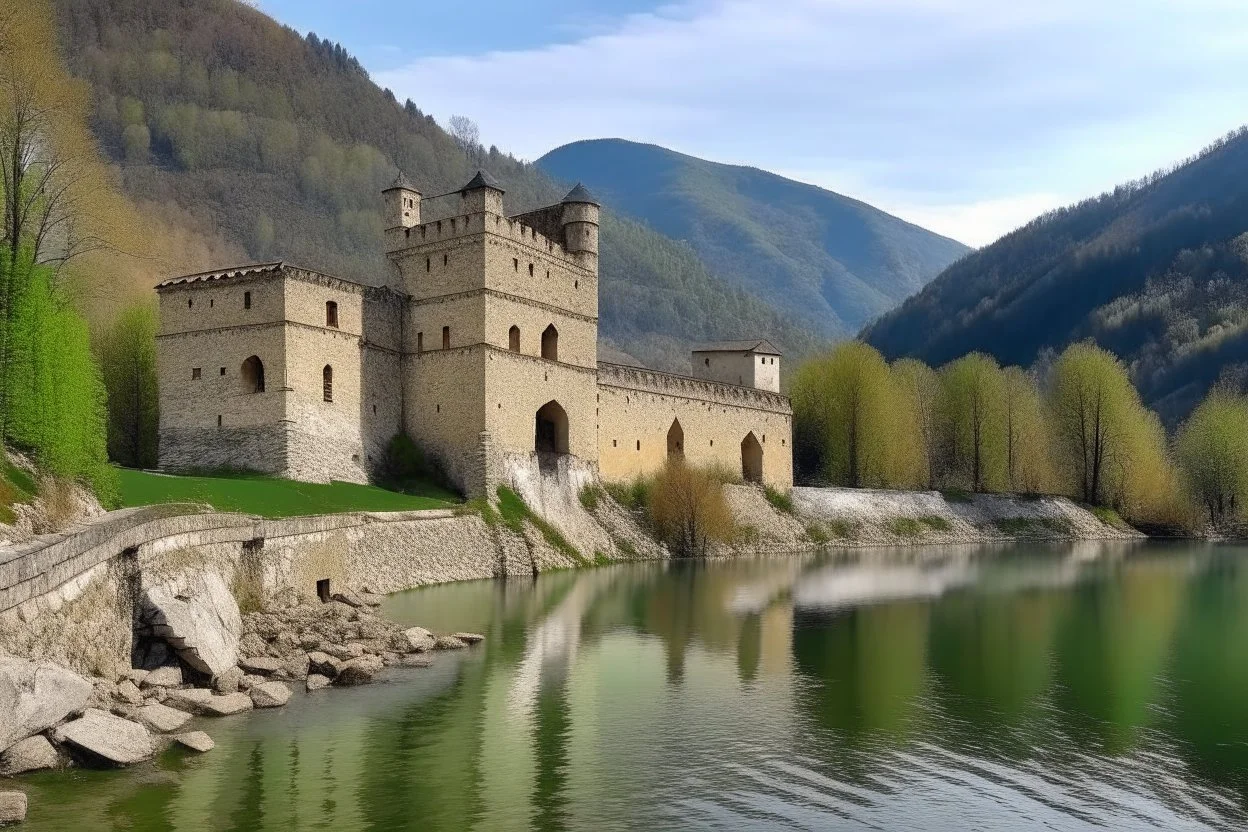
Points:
(1066, 688)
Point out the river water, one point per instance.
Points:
(1095, 686)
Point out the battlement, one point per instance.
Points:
(687, 387)
(455, 227)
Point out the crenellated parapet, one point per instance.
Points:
(711, 392)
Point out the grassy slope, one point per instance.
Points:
(831, 261)
(271, 497)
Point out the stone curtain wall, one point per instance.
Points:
(636, 409)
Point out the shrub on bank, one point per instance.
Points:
(688, 510)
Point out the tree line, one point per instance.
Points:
(1073, 425)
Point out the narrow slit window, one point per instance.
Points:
(420, 342)
(327, 383)
(246, 300)
(446, 337)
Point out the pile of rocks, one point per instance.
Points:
(342, 642)
(52, 717)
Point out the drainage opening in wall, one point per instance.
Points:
(322, 590)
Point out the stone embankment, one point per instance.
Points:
(201, 657)
(849, 517)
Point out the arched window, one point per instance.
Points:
(751, 459)
(331, 314)
(550, 343)
(551, 429)
(513, 339)
(327, 383)
(253, 375)
(676, 441)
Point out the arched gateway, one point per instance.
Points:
(550, 434)
(751, 459)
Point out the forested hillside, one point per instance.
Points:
(1156, 271)
(251, 140)
(832, 262)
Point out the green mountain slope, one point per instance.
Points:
(1156, 271)
(227, 123)
(832, 262)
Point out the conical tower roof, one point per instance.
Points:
(581, 194)
(401, 181)
(482, 180)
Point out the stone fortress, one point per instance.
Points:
(481, 345)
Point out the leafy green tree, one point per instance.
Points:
(843, 411)
(918, 396)
(128, 361)
(1110, 448)
(55, 394)
(1212, 451)
(973, 414)
(1027, 442)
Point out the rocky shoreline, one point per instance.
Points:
(195, 664)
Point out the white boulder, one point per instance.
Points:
(34, 696)
(110, 738)
(31, 754)
(198, 616)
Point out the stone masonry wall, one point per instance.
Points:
(636, 409)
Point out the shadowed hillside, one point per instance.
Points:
(1156, 271)
(238, 129)
(831, 261)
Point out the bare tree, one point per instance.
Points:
(465, 133)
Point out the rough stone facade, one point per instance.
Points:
(482, 344)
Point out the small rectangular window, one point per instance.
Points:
(222, 371)
(195, 374)
(246, 300)
(218, 420)
(446, 337)
(420, 342)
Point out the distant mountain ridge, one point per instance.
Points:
(1156, 271)
(230, 127)
(830, 261)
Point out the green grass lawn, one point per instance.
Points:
(273, 497)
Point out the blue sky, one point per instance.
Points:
(966, 116)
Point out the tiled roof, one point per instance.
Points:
(223, 274)
(581, 194)
(755, 345)
(401, 181)
(482, 180)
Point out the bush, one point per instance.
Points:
(816, 535)
(634, 496)
(905, 527)
(936, 523)
(590, 495)
(780, 500)
(406, 468)
(688, 509)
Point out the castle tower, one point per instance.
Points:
(580, 224)
(401, 202)
(501, 329)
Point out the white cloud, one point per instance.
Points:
(964, 112)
